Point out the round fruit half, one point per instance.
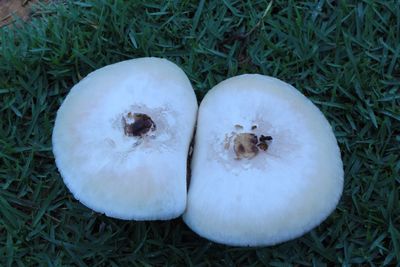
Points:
(121, 139)
(266, 166)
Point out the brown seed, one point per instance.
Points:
(264, 138)
(262, 146)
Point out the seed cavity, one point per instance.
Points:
(245, 145)
(248, 145)
(137, 124)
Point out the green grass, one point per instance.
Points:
(343, 56)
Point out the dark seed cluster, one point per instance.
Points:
(247, 145)
(142, 124)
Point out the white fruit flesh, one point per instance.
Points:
(276, 195)
(124, 176)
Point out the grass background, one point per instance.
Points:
(343, 55)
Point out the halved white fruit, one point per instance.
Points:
(266, 166)
(121, 139)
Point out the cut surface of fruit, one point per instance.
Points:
(121, 139)
(266, 166)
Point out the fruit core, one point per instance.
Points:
(137, 124)
(247, 145)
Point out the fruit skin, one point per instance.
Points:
(274, 196)
(139, 177)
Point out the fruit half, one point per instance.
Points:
(121, 139)
(266, 166)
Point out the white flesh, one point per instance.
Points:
(127, 177)
(277, 195)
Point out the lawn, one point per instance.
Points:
(343, 55)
